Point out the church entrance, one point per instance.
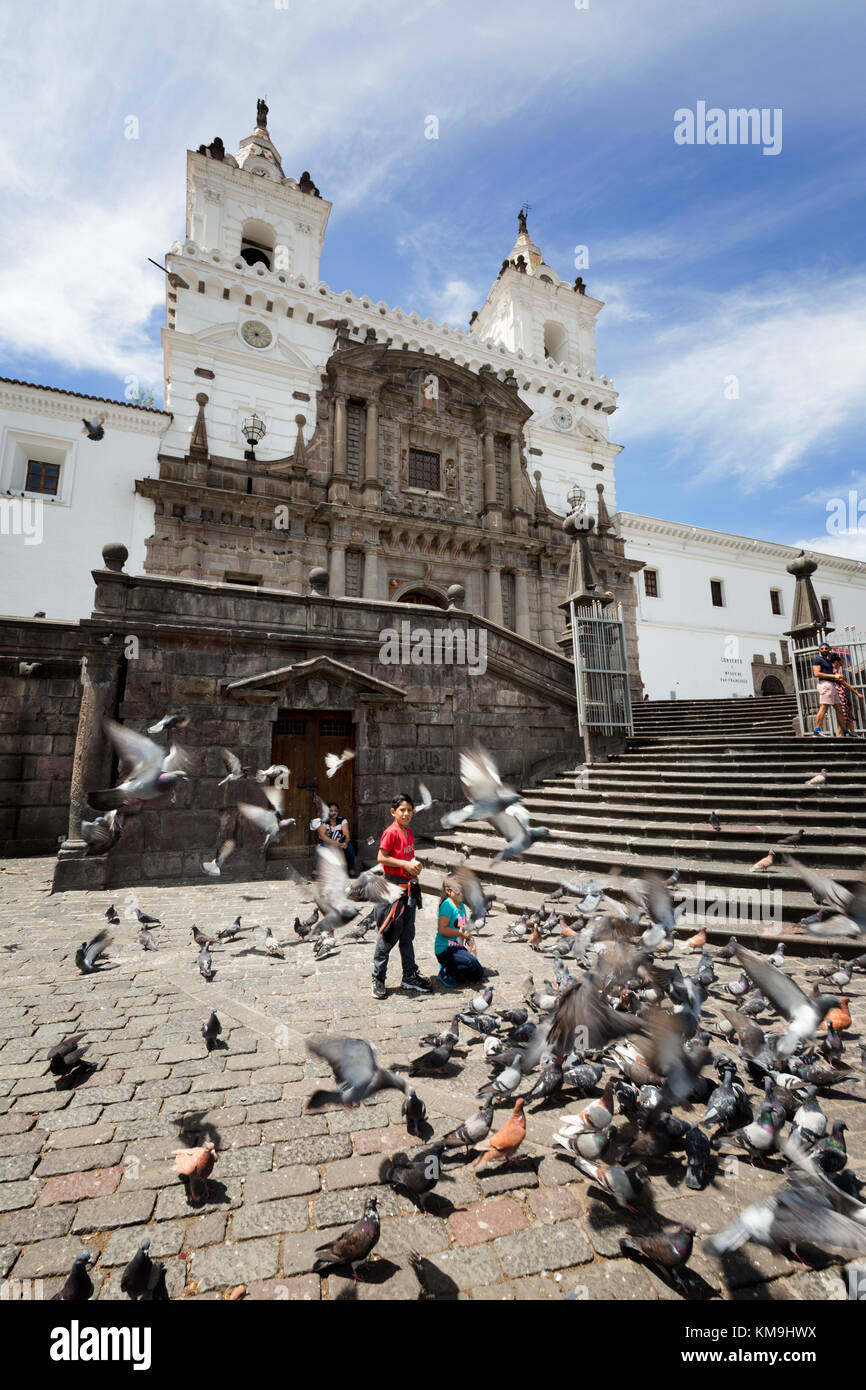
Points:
(771, 685)
(422, 598)
(300, 740)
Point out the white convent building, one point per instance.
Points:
(250, 323)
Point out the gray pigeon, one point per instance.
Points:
(355, 1069)
(414, 1112)
(472, 1131)
(205, 964)
(151, 770)
(354, 1246)
(801, 1213)
(147, 940)
(433, 1061)
(211, 1030)
(803, 1014)
(87, 957)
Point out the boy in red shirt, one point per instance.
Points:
(396, 921)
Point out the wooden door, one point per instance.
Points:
(301, 738)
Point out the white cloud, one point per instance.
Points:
(849, 543)
(793, 348)
(455, 301)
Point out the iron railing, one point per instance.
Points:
(851, 646)
(601, 669)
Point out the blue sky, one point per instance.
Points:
(715, 262)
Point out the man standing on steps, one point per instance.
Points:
(829, 689)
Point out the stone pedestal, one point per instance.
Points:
(91, 769)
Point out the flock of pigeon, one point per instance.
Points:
(694, 1064)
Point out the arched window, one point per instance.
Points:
(257, 243)
(555, 341)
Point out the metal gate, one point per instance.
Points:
(853, 653)
(601, 669)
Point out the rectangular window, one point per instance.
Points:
(776, 601)
(424, 469)
(354, 439)
(716, 591)
(651, 583)
(827, 609)
(42, 477)
(353, 574)
(508, 600)
(250, 580)
(784, 649)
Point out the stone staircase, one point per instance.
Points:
(649, 809)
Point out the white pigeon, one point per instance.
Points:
(426, 799)
(818, 780)
(333, 761)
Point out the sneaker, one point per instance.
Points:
(416, 984)
(378, 990)
(447, 981)
(819, 733)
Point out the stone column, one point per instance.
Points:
(521, 605)
(516, 475)
(340, 462)
(545, 612)
(490, 498)
(371, 574)
(91, 761)
(337, 567)
(371, 447)
(494, 595)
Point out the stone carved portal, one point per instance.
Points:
(300, 740)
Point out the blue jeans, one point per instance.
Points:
(460, 964)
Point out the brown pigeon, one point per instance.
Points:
(507, 1140)
(196, 1165)
(353, 1247)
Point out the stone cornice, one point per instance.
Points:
(630, 525)
(68, 405)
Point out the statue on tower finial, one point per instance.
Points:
(262, 114)
(521, 218)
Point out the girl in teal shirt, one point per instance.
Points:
(457, 965)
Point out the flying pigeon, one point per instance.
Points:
(354, 1246)
(87, 957)
(101, 833)
(803, 1014)
(232, 764)
(426, 799)
(271, 820)
(489, 799)
(94, 429)
(169, 721)
(334, 761)
(355, 1069)
(150, 770)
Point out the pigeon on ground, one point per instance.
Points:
(472, 1131)
(597, 1115)
(141, 1274)
(414, 1177)
(505, 1083)
(591, 1144)
(169, 721)
(714, 820)
(79, 1286)
(514, 1016)
(549, 1082)
(147, 940)
(303, 929)
(355, 1069)
(112, 916)
(793, 839)
(67, 1057)
(232, 764)
(201, 938)
(481, 1003)
(669, 1251)
(487, 1024)
(778, 956)
(767, 862)
(151, 770)
(818, 780)
(88, 955)
(354, 1246)
(697, 1158)
(810, 1122)
(211, 1030)
(229, 933)
(145, 920)
(414, 1112)
(196, 1165)
(324, 944)
(758, 1138)
(205, 964)
(434, 1061)
(94, 429)
(451, 1033)
(272, 945)
(624, 1184)
(334, 761)
(507, 1140)
(801, 1213)
(831, 1045)
(830, 1153)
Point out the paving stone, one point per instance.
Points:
(22, 1227)
(271, 1218)
(482, 1222)
(8, 1256)
(207, 1229)
(451, 1270)
(407, 1233)
(380, 1141)
(320, 1148)
(299, 1250)
(79, 1160)
(72, 1187)
(122, 1209)
(16, 1123)
(505, 1179)
(50, 1257)
(353, 1172)
(354, 1121)
(166, 1239)
(172, 1203)
(74, 1117)
(552, 1204)
(80, 1138)
(382, 1282)
(547, 1247)
(15, 1166)
(17, 1194)
(335, 1208)
(305, 1288)
(228, 1265)
(285, 1182)
(293, 1127)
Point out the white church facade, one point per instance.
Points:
(250, 337)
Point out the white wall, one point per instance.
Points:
(49, 569)
(688, 645)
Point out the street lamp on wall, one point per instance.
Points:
(253, 430)
(576, 498)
